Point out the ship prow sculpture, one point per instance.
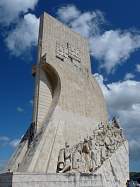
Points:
(70, 134)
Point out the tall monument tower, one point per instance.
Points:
(69, 113)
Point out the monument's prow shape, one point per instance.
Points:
(68, 102)
(68, 108)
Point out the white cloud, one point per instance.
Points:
(87, 23)
(68, 13)
(24, 36)
(24, 32)
(129, 76)
(6, 141)
(123, 101)
(138, 67)
(19, 109)
(4, 138)
(14, 143)
(121, 96)
(10, 10)
(114, 47)
(111, 48)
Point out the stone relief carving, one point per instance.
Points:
(66, 50)
(89, 154)
(61, 51)
(74, 53)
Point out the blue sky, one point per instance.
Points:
(113, 31)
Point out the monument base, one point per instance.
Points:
(112, 173)
(50, 180)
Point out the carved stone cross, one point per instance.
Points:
(65, 50)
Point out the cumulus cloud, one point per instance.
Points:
(121, 96)
(129, 76)
(110, 48)
(114, 47)
(86, 23)
(123, 101)
(10, 10)
(68, 13)
(22, 26)
(24, 36)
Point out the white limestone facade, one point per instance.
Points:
(68, 107)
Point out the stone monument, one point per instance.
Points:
(70, 141)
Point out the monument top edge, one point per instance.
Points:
(47, 15)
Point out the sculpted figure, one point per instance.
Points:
(92, 145)
(77, 158)
(117, 134)
(109, 141)
(121, 134)
(98, 152)
(115, 123)
(61, 161)
(117, 137)
(67, 159)
(86, 153)
(101, 137)
(103, 152)
(97, 155)
(89, 154)
(100, 125)
(86, 148)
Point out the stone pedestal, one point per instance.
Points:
(49, 180)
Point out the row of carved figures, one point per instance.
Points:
(89, 154)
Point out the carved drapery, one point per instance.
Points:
(89, 154)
